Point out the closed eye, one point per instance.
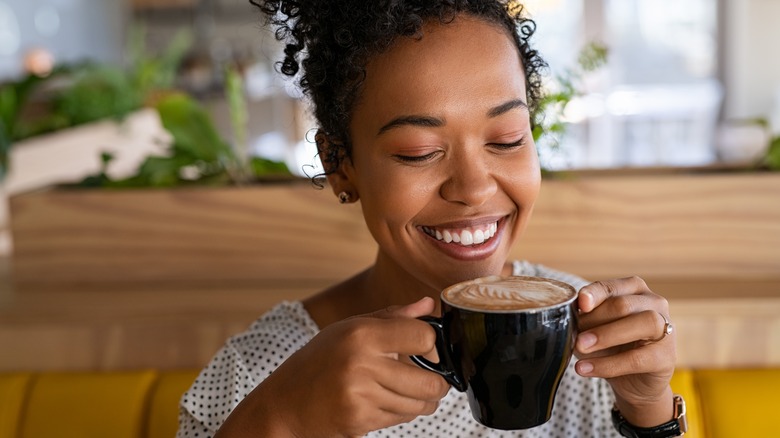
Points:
(415, 158)
(516, 144)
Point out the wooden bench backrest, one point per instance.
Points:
(293, 236)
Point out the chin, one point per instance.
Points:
(469, 271)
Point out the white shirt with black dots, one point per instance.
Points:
(582, 405)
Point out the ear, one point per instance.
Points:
(337, 164)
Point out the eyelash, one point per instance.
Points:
(415, 158)
(426, 157)
(512, 145)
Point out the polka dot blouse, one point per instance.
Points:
(582, 406)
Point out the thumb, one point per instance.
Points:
(424, 306)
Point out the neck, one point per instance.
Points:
(382, 285)
(388, 284)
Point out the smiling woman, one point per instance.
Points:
(422, 159)
(424, 110)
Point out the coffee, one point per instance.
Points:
(507, 293)
(506, 342)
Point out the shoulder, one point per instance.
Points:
(274, 337)
(245, 360)
(270, 340)
(523, 267)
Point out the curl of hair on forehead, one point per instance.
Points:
(329, 42)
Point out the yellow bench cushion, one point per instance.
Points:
(739, 403)
(164, 404)
(87, 405)
(13, 393)
(683, 383)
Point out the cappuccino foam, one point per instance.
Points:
(498, 293)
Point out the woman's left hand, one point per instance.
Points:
(622, 338)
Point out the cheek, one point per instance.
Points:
(528, 184)
(523, 179)
(391, 196)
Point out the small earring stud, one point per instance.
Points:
(344, 197)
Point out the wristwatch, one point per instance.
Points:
(676, 427)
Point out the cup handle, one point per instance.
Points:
(445, 367)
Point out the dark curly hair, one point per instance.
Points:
(332, 41)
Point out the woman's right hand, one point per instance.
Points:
(350, 379)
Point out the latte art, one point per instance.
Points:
(508, 293)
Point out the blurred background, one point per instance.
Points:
(676, 72)
(660, 132)
(169, 93)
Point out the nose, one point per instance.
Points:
(469, 180)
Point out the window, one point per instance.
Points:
(657, 100)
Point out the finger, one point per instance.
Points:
(656, 358)
(643, 326)
(411, 381)
(377, 419)
(592, 295)
(398, 418)
(406, 407)
(384, 408)
(619, 307)
(370, 406)
(405, 336)
(422, 307)
(390, 337)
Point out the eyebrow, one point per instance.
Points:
(424, 121)
(433, 122)
(506, 107)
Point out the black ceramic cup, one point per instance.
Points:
(506, 342)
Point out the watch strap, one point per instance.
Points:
(675, 427)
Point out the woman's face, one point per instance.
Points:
(443, 158)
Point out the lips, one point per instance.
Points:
(464, 236)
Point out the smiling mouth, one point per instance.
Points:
(467, 236)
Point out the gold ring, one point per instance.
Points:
(668, 329)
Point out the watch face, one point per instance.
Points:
(680, 414)
(676, 427)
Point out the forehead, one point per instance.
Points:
(466, 62)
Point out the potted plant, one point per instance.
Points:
(190, 170)
(77, 109)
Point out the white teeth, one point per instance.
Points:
(464, 237)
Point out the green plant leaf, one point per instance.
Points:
(772, 158)
(593, 56)
(97, 92)
(234, 93)
(192, 130)
(156, 172)
(262, 167)
(8, 107)
(149, 72)
(537, 132)
(548, 120)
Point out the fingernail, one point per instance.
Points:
(585, 367)
(588, 296)
(586, 340)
